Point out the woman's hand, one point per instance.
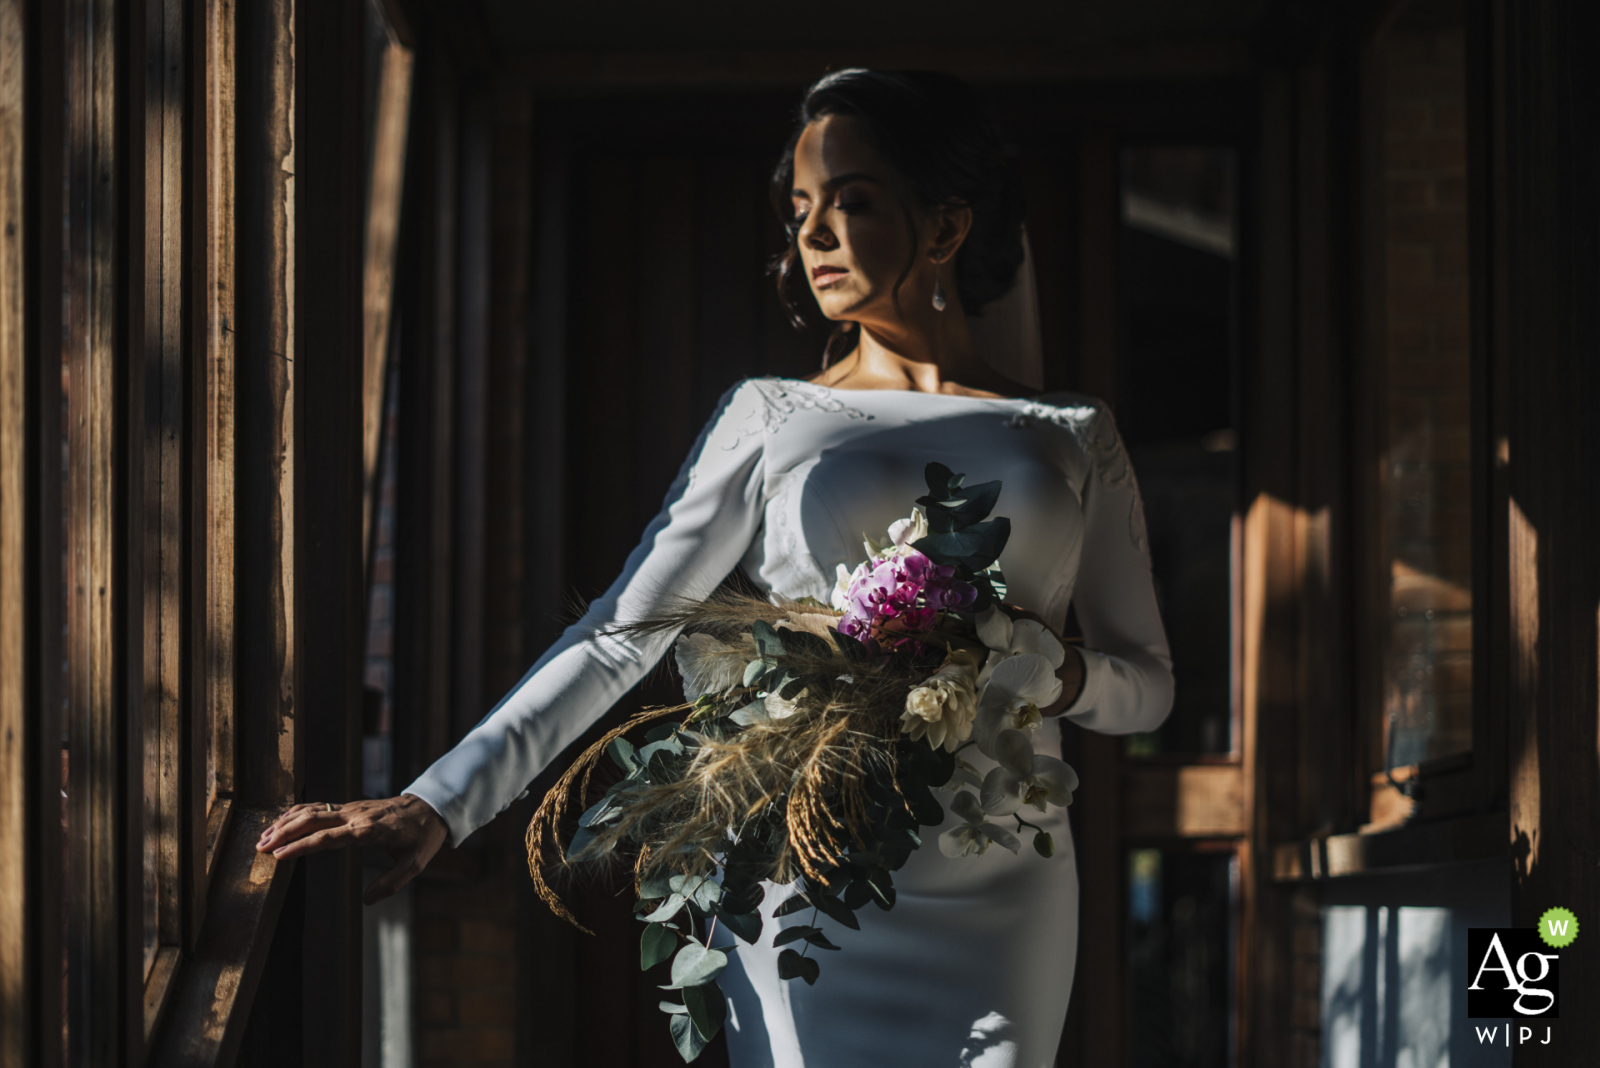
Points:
(1070, 673)
(405, 827)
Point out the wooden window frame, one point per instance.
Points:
(1351, 821)
(185, 649)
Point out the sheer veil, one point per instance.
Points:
(1007, 334)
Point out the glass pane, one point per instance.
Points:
(1180, 957)
(1176, 270)
(1419, 66)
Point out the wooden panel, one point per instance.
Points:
(1194, 800)
(1268, 704)
(1412, 847)
(45, 158)
(1549, 444)
(99, 835)
(206, 1022)
(430, 506)
(267, 735)
(329, 559)
(157, 489)
(385, 180)
(212, 735)
(18, 728)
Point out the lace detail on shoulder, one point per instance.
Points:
(782, 397)
(1100, 441)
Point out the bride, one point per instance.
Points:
(904, 220)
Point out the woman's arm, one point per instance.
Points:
(1127, 668)
(711, 513)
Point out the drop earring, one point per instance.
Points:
(938, 288)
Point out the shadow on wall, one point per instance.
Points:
(1394, 967)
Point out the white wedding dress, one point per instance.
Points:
(974, 964)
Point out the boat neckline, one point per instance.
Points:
(916, 392)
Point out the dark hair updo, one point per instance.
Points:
(934, 132)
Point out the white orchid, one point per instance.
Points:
(1018, 687)
(843, 579)
(966, 774)
(975, 834)
(1006, 637)
(707, 665)
(1025, 777)
(942, 708)
(902, 533)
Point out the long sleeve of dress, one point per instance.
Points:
(1127, 684)
(711, 513)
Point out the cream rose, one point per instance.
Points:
(942, 708)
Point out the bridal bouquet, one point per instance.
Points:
(809, 747)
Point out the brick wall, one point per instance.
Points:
(1427, 479)
(1305, 935)
(465, 957)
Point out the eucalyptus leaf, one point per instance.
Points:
(836, 910)
(701, 890)
(656, 945)
(602, 811)
(695, 964)
(686, 1036)
(857, 894)
(654, 887)
(747, 925)
(940, 522)
(820, 940)
(769, 640)
(797, 903)
(672, 1007)
(668, 909)
(621, 751)
(670, 744)
(581, 840)
(924, 806)
(854, 649)
(707, 1008)
(881, 884)
(801, 642)
(660, 731)
(792, 965)
(974, 504)
(741, 887)
(940, 479)
(865, 859)
(757, 669)
(751, 714)
(794, 934)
